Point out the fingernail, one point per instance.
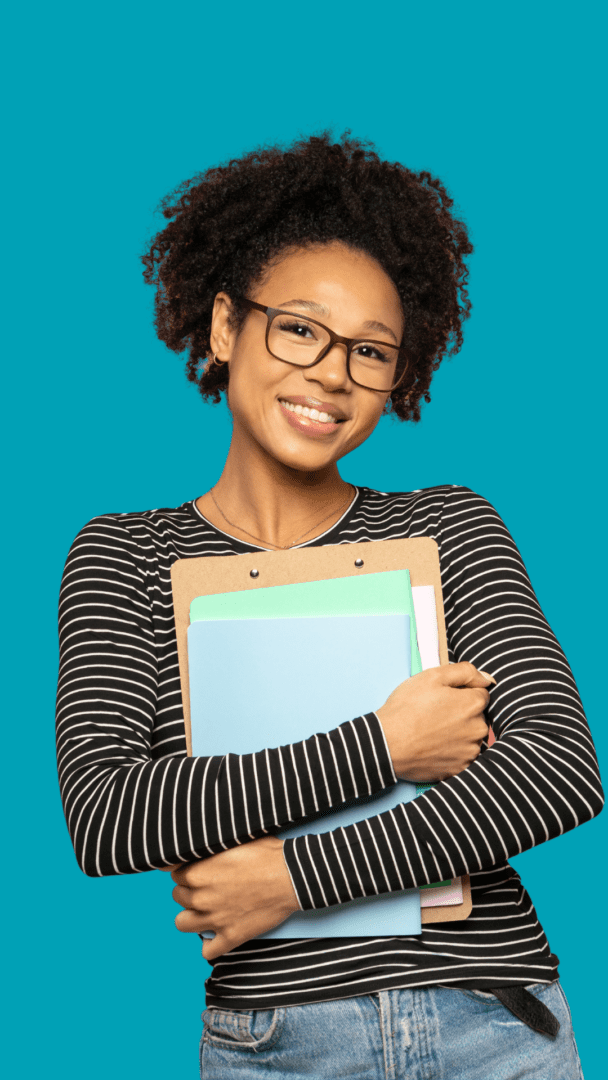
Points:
(487, 675)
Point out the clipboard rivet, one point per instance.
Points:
(254, 573)
(358, 562)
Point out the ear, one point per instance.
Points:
(222, 335)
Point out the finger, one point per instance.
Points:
(480, 730)
(464, 674)
(190, 898)
(479, 695)
(197, 899)
(216, 946)
(471, 703)
(475, 696)
(185, 874)
(193, 922)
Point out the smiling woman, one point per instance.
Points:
(319, 287)
(296, 404)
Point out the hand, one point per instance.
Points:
(239, 894)
(434, 723)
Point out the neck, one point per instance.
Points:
(276, 504)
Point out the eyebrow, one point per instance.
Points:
(320, 309)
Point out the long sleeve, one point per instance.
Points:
(130, 803)
(538, 780)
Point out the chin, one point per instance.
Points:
(303, 462)
(303, 459)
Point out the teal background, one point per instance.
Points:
(111, 105)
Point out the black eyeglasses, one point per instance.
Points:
(304, 342)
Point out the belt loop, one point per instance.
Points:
(385, 998)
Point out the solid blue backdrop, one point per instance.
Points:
(113, 105)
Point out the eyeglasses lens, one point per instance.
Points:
(298, 341)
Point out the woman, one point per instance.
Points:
(320, 287)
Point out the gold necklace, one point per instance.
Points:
(268, 543)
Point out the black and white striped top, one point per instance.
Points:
(134, 801)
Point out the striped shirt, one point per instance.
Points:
(134, 801)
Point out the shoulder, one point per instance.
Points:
(133, 524)
(134, 520)
(437, 493)
(134, 535)
(451, 514)
(425, 508)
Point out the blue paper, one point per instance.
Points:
(259, 683)
(386, 593)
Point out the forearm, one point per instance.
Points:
(129, 808)
(128, 815)
(509, 800)
(539, 780)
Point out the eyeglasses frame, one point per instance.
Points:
(334, 339)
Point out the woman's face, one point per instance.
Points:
(348, 292)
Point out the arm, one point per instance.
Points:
(539, 780)
(243, 892)
(130, 808)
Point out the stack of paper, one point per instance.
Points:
(270, 666)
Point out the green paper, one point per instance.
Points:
(386, 593)
(421, 788)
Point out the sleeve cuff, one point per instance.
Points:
(323, 871)
(368, 754)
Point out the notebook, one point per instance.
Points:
(193, 577)
(444, 893)
(268, 682)
(427, 630)
(387, 593)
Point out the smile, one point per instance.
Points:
(308, 420)
(312, 414)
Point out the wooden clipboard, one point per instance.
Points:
(208, 575)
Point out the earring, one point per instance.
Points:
(216, 362)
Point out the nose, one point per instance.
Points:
(331, 371)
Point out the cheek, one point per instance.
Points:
(370, 416)
(252, 384)
(246, 373)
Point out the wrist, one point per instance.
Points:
(394, 741)
(283, 890)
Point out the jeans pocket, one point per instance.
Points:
(485, 997)
(252, 1030)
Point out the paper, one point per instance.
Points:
(387, 593)
(197, 576)
(427, 632)
(447, 894)
(258, 683)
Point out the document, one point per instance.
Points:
(268, 682)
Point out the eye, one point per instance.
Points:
(296, 327)
(374, 352)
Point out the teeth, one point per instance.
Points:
(312, 414)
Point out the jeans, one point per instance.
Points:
(437, 1033)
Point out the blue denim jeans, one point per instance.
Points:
(431, 1034)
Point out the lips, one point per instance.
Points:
(311, 417)
(309, 403)
(309, 413)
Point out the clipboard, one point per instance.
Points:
(208, 575)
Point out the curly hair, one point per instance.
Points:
(229, 223)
